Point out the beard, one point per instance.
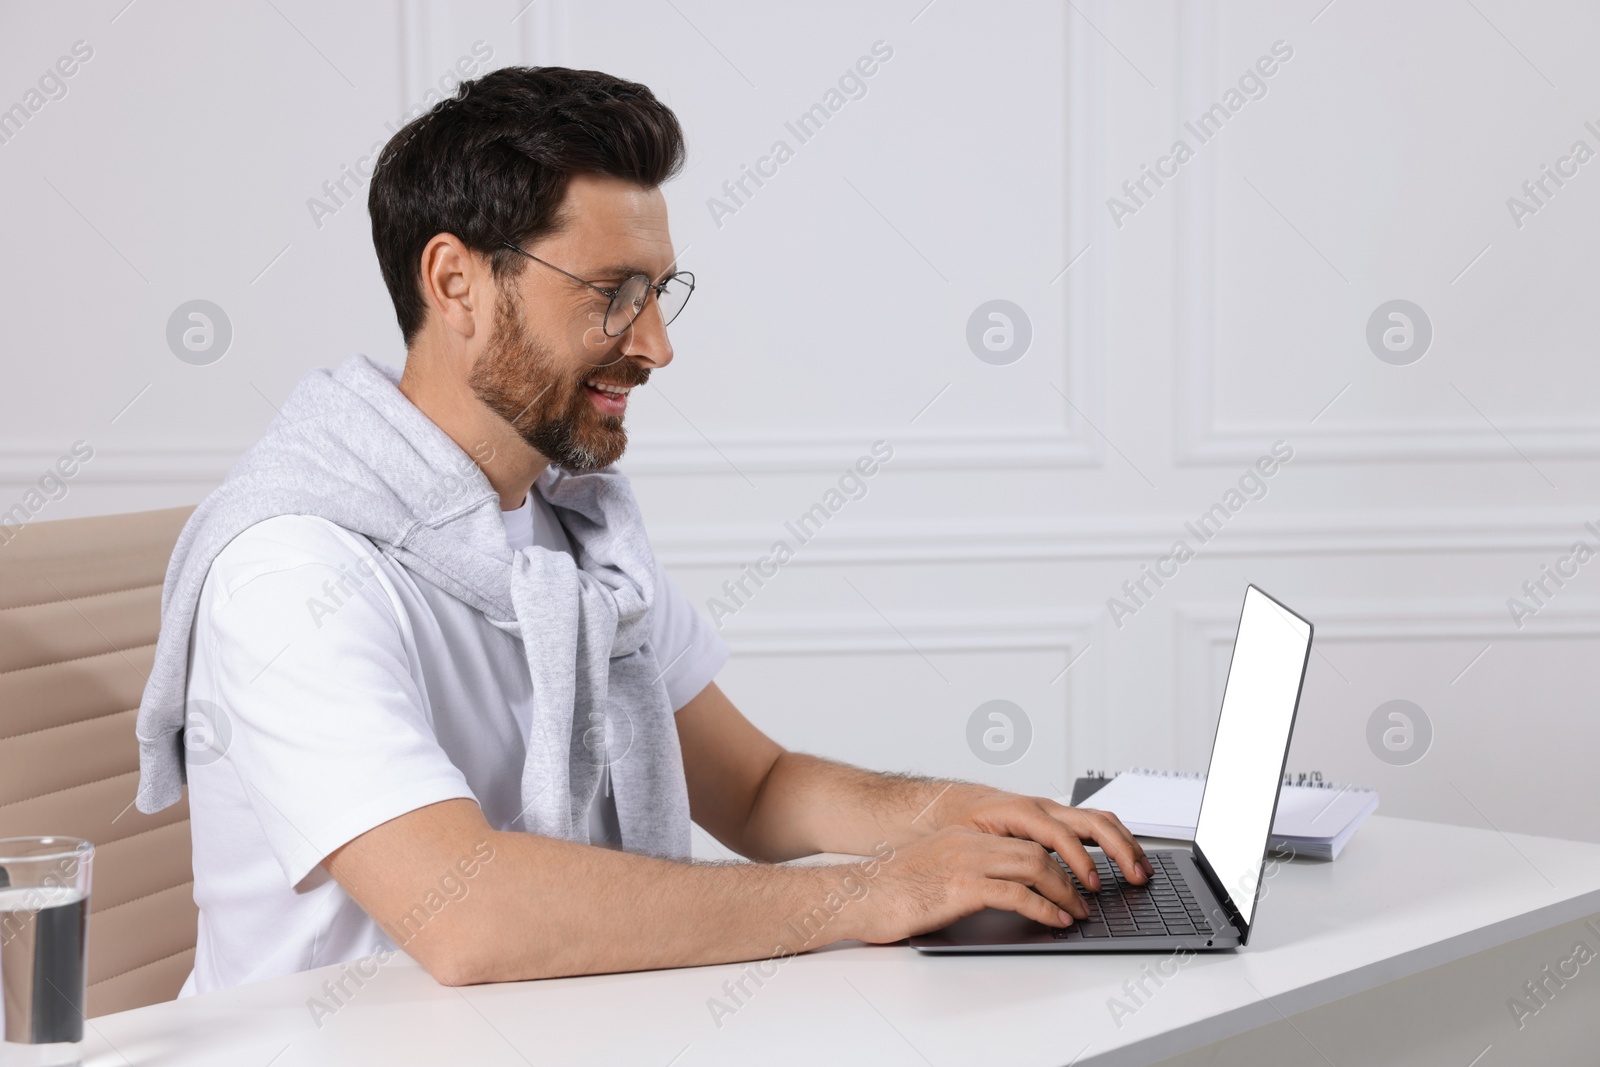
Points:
(543, 396)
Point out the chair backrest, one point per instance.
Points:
(80, 607)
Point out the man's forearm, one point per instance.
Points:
(546, 908)
(808, 804)
(473, 904)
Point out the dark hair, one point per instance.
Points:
(491, 164)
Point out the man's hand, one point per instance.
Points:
(1057, 827)
(951, 873)
(961, 846)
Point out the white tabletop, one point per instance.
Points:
(1403, 897)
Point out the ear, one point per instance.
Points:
(457, 286)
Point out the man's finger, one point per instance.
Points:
(1050, 880)
(1106, 830)
(1027, 863)
(1062, 839)
(1139, 854)
(1013, 897)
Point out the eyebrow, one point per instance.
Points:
(624, 270)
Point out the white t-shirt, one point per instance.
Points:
(350, 693)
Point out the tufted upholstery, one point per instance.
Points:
(80, 606)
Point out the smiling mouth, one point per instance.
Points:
(610, 397)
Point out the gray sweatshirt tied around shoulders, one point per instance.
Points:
(349, 447)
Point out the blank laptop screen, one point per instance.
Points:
(1269, 659)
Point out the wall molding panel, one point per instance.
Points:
(1070, 634)
(1204, 632)
(1135, 538)
(1200, 437)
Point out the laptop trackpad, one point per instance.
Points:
(991, 926)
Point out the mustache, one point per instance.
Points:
(622, 374)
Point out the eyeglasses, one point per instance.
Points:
(628, 299)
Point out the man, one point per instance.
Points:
(426, 683)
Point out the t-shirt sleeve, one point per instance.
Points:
(687, 647)
(310, 662)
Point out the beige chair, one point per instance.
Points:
(80, 606)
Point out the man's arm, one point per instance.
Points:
(767, 803)
(541, 908)
(534, 907)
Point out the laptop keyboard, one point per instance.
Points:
(1162, 906)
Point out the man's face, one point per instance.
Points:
(548, 368)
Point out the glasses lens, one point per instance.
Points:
(627, 304)
(674, 294)
(631, 298)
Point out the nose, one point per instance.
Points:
(646, 340)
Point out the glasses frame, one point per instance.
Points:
(611, 294)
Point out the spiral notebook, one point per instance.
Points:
(1315, 818)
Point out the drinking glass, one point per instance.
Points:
(44, 939)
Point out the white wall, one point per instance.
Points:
(1171, 346)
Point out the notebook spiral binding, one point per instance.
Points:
(1306, 779)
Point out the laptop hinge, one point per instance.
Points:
(1217, 890)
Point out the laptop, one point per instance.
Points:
(1204, 898)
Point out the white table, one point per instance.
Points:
(1326, 931)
